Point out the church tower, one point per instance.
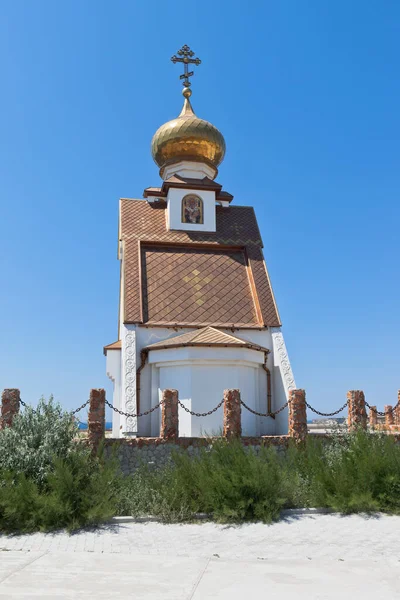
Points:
(197, 311)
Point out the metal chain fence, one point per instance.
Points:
(332, 414)
(269, 414)
(73, 412)
(80, 407)
(125, 414)
(206, 414)
(210, 412)
(382, 413)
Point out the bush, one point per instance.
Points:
(153, 492)
(47, 479)
(80, 490)
(35, 438)
(228, 481)
(232, 482)
(361, 473)
(354, 472)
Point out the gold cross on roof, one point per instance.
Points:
(185, 56)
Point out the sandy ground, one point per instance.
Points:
(308, 556)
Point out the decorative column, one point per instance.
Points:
(169, 415)
(389, 418)
(373, 417)
(357, 413)
(96, 418)
(129, 366)
(9, 406)
(232, 414)
(297, 415)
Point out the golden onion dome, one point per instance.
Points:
(187, 138)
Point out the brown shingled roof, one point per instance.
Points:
(241, 298)
(114, 346)
(182, 284)
(209, 336)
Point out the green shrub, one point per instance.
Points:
(353, 472)
(362, 473)
(232, 482)
(228, 481)
(35, 438)
(20, 503)
(153, 492)
(48, 481)
(80, 490)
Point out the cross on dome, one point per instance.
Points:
(188, 138)
(185, 56)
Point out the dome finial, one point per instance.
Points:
(185, 56)
(188, 139)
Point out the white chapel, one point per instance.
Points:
(197, 312)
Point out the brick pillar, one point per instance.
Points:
(357, 412)
(397, 411)
(9, 407)
(96, 418)
(373, 417)
(232, 414)
(389, 418)
(297, 415)
(169, 415)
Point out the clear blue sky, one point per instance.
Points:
(307, 95)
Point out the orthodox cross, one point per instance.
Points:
(185, 56)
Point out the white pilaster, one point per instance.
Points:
(281, 360)
(114, 373)
(129, 424)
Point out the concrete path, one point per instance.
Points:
(313, 557)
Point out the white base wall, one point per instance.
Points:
(200, 375)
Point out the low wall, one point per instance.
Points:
(157, 452)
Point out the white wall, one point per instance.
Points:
(201, 375)
(174, 210)
(187, 168)
(201, 388)
(246, 375)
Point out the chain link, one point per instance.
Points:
(273, 414)
(332, 414)
(382, 413)
(195, 414)
(73, 412)
(269, 414)
(124, 414)
(22, 403)
(80, 407)
(276, 412)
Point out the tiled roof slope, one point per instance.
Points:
(194, 285)
(209, 336)
(142, 222)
